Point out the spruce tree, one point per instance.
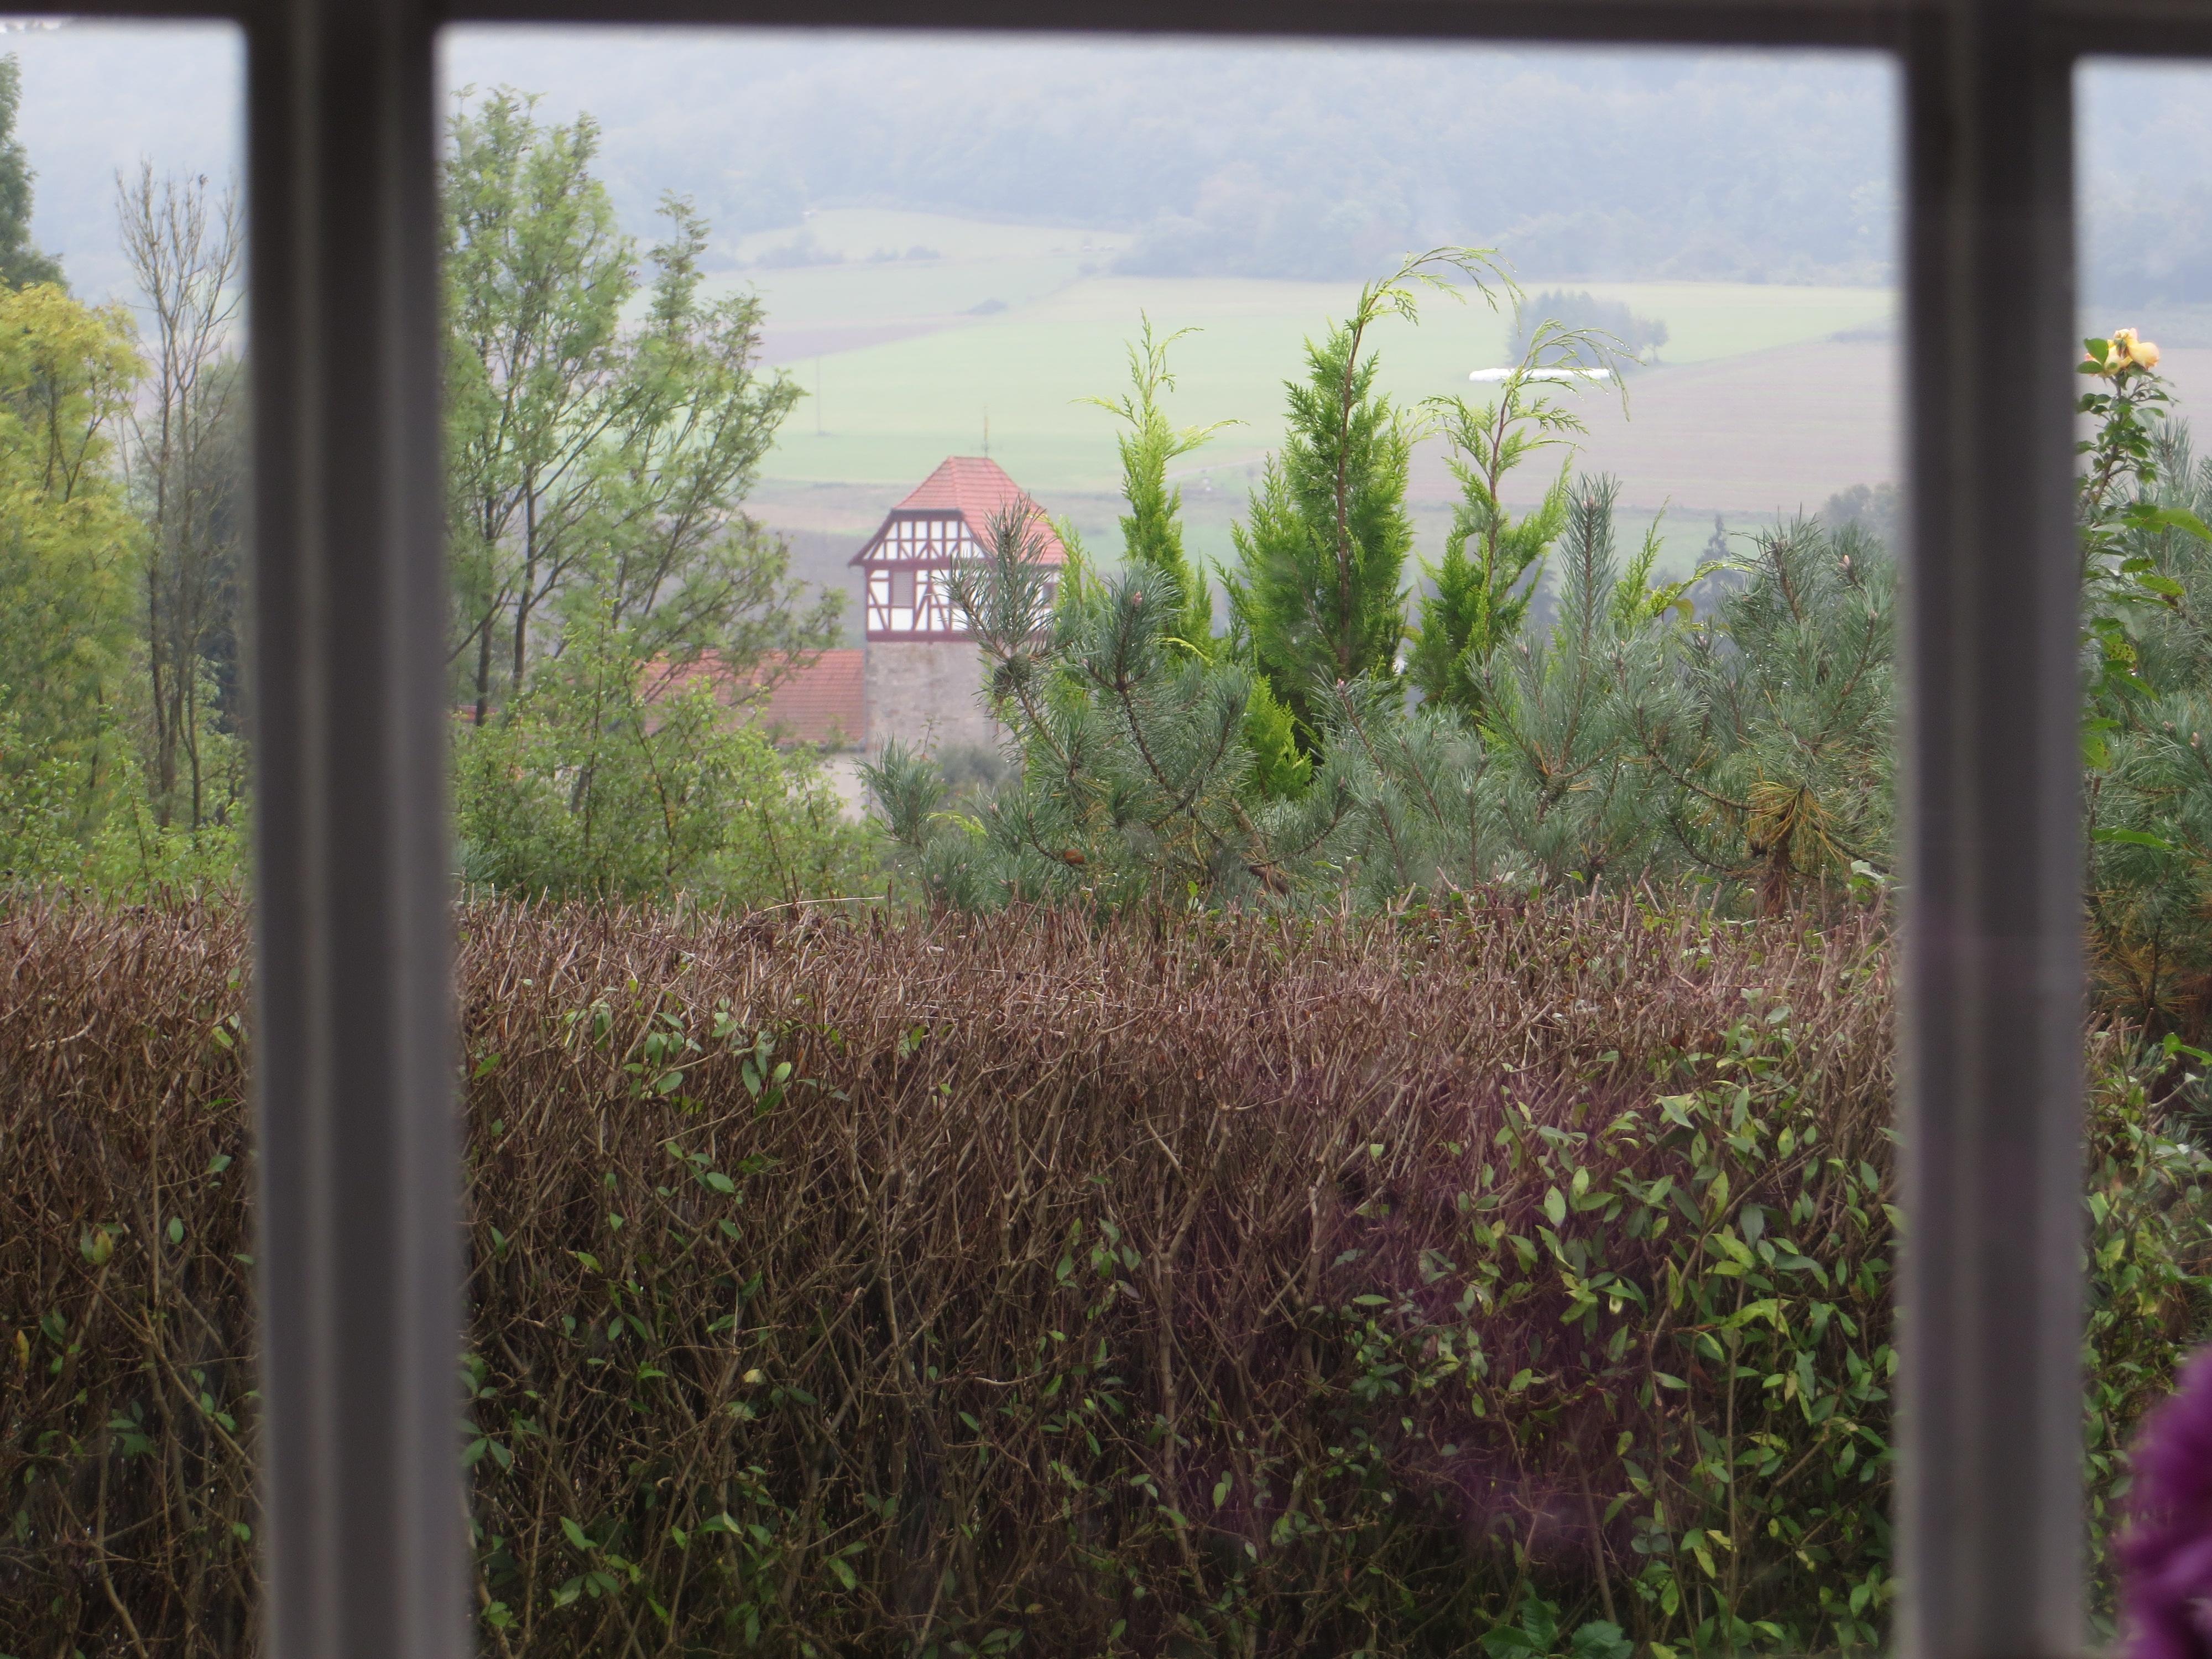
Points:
(21, 264)
(1319, 589)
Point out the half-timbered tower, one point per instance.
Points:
(923, 671)
(944, 524)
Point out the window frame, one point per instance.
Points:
(355, 1043)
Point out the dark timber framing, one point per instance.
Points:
(360, 1255)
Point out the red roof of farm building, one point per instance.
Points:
(977, 489)
(823, 703)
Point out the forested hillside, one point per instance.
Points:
(1277, 161)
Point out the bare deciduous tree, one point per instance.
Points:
(183, 239)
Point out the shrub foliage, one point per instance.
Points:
(1515, 1280)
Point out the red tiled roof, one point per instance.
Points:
(824, 702)
(978, 489)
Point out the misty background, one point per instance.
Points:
(954, 235)
(1288, 160)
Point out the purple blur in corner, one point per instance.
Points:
(2165, 1553)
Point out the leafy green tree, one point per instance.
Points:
(73, 801)
(38, 805)
(615, 606)
(1492, 560)
(661, 551)
(1318, 590)
(600, 783)
(595, 468)
(20, 263)
(536, 272)
(68, 546)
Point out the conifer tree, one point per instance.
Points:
(1135, 776)
(1769, 730)
(1492, 560)
(1151, 530)
(1152, 539)
(1318, 587)
(1572, 793)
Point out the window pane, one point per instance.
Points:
(1330, 1112)
(2146, 263)
(127, 788)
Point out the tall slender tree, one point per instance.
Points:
(1151, 530)
(1492, 559)
(536, 272)
(20, 263)
(596, 471)
(1318, 587)
(1152, 539)
(183, 242)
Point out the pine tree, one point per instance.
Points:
(1572, 793)
(1135, 783)
(21, 264)
(1320, 562)
(1770, 728)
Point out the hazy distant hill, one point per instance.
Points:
(1270, 159)
(1255, 160)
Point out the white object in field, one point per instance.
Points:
(1493, 376)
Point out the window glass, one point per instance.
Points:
(1258, 1089)
(126, 1234)
(2145, 231)
(1174, 819)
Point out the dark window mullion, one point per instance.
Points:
(1989, 1510)
(354, 1071)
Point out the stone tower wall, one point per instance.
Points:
(924, 692)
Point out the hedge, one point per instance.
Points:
(1513, 1280)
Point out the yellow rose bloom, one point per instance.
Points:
(2126, 350)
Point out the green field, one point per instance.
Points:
(882, 409)
(1767, 399)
